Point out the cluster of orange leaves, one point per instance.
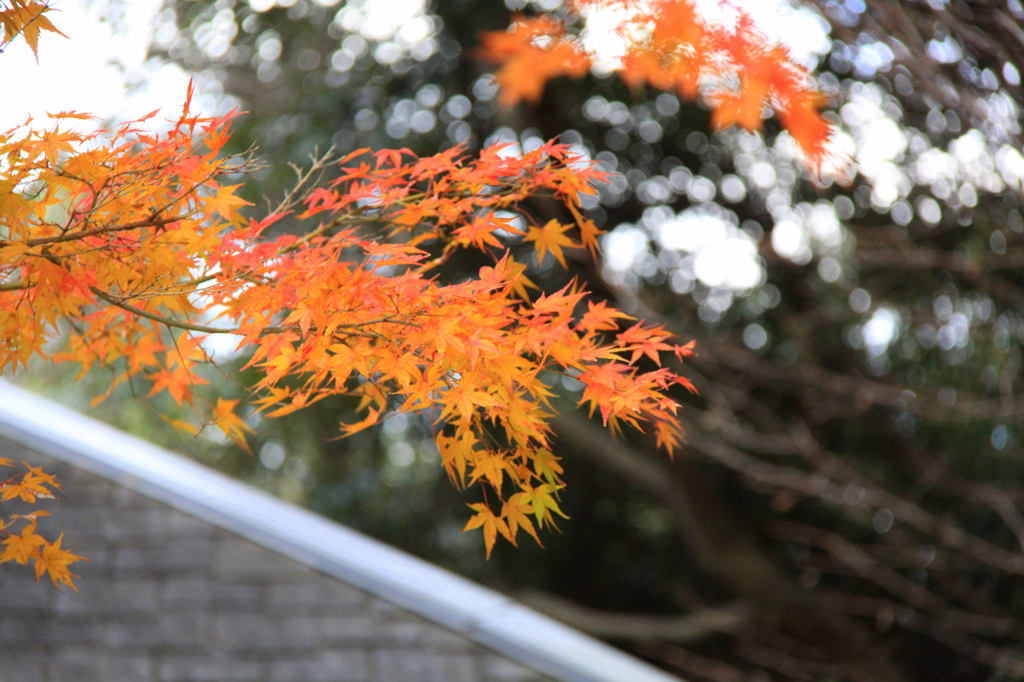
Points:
(719, 56)
(27, 545)
(126, 244)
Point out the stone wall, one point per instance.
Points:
(169, 597)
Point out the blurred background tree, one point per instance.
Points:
(847, 505)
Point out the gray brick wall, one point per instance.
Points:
(167, 597)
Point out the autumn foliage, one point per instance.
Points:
(126, 244)
(129, 248)
(21, 541)
(718, 56)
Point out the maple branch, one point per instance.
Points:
(206, 329)
(74, 236)
(884, 611)
(1010, 26)
(781, 659)
(999, 501)
(166, 321)
(802, 443)
(814, 485)
(651, 475)
(186, 363)
(15, 286)
(318, 165)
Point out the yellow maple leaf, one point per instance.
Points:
(491, 524)
(542, 501)
(225, 418)
(490, 467)
(551, 238)
(513, 511)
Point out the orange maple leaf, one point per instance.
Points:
(226, 203)
(24, 546)
(532, 51)
(55, 561)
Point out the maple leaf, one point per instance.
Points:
(480, 232)
(601, 317)
(491, 467)
(55, 561)
(800, 115)
(514, 512)
(491, 524)
(603, 387)
(177, 381)
(184, 426)
(647, 341)
(668, 435)
(40, 476)
(28, 20)
(231, 424)
(464, 400)
(456, 453)
(533, 51)
(551, 238)
(542, 502)
(24, 546)
(28, 488)
(512, 273)
(546, 465)
(371, 418)
(51, 145)
(589, 231)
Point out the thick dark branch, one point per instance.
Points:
(913, 593)
(635, 626)
(726, 548)
(691, 663)
(859, 389)
(942, 530)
